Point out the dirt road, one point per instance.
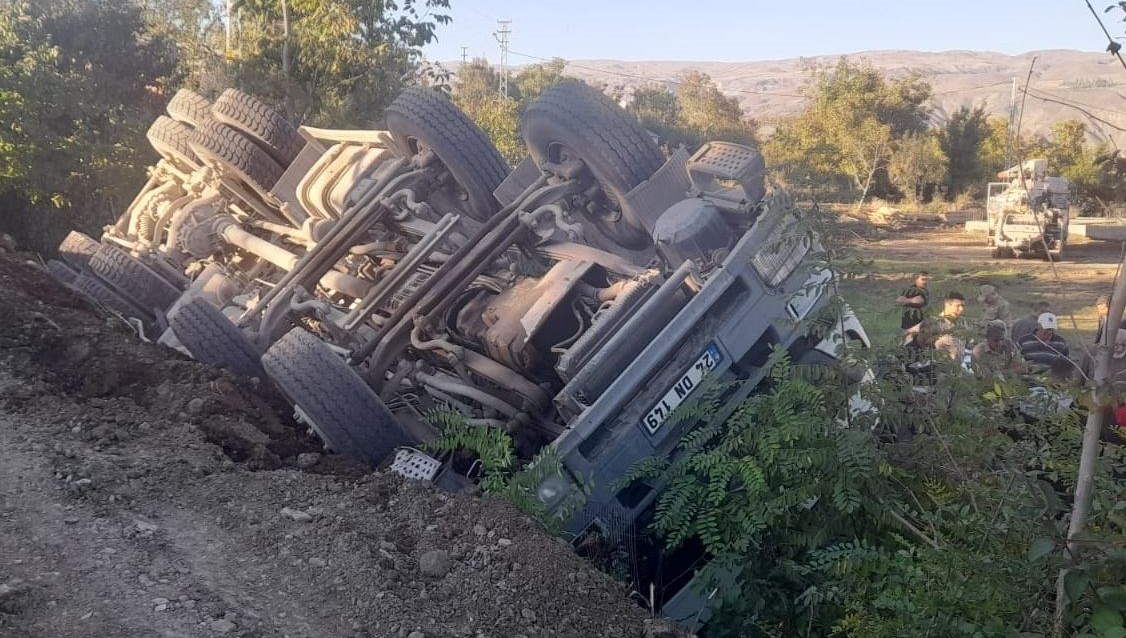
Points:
(142, 494)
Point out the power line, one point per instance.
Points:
(1032, 93)
(1078, 103)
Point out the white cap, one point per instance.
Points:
(1047, 321)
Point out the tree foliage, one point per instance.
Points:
(709, 114)
(81, 81)
(342, 61)
(962, 141)
(776, 463)
(849, 130)
(534, 79)
(75, 98)
(1070, 155)
(477, 93)
(477, 81)
(916, 164)
(694, 113)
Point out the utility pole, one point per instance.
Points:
(464, 56)
(501, 34)
(1010, 140)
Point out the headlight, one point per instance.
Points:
(553, 490)
(782, 253)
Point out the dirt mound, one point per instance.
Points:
(142, 494)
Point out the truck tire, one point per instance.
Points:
(575, 121)
(63, 273)
(261, 123)
(169, 138)
(212, 339)
(423, 118)
(219, 144)
(100, 295)
(343, 409)
(133, 279)
(77, 248)
(189, 107)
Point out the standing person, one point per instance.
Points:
(1102, 306)
(1026, 326)
(995, 306)
(915, 300)
(953, 307)
(1044, 347)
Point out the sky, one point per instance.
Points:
(751, 30)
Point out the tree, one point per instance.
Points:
(534, 79)
(654, 106)
(848, 130)
(195, 30)
(709, 114)
(961, 140)
(918, 162)
(333, 62)
(75, 99)
(994, 146)
(1069, 155)
(476, 93)
(696, 113)
(477, 82)
(499, 118)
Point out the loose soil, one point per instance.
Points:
(142, 494)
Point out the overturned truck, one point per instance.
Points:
(378, 276)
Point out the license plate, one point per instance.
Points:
(680, 391)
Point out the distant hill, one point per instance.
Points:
(767, 89)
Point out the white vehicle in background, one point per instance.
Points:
(1028, 214)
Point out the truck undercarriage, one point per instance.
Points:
(379, 277)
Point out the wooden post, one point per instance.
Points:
(1088, 456)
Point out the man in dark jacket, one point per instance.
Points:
(915, 300)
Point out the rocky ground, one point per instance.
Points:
(142, 494)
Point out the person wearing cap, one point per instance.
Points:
(915, 300)
(996, 356)
(995, 307)
(1044, 346)
(1027, 325)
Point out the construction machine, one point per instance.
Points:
(1028, 213)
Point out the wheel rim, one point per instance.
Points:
(608, 217)
(452, 187)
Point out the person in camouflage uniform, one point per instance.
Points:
(995, 307)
